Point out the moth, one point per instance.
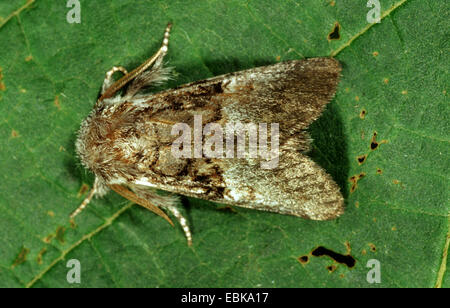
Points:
(127, 139)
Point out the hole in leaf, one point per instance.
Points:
(347, 260)
(334, 34)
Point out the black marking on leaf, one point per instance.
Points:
(361, 159)
(303, 259)
(334, 34)
(347, 260)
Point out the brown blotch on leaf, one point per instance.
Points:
(347, 259)
(40, 255)
(56, 102)
(2, 84)
(364, 252)
(354, 180)
(362, 114)
(375, 53)
(386, 80)
(29, 58)
(303, 259)
(361, 159)
(51, 213)
(334, 34)
(60, 234)
(332, 3)
(14, 134)
(349, 248)
(49, 238)
(21, 257)
(397, 182)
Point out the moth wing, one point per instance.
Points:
(298, 186)
(292, 94)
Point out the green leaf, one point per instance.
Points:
(396, 71)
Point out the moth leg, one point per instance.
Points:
(108, 82)
(155, 59)
(92, 192)
(182, 221)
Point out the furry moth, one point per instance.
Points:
(127, 139)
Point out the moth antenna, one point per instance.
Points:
(86, 200)
(108, 82)
(155, 59)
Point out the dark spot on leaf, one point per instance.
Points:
(331, 268)
(363, 113)
(379, 171)
(347, 260)
(21, 257)
(303, 259)
(372, 247)
(361, 159)
(60, 234)
(49, 238)
(361, 175)
(334, 34)
(374, 144)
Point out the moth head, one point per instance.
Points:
(91, 144)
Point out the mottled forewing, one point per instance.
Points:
(292, 94)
